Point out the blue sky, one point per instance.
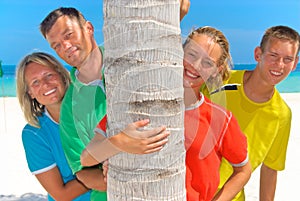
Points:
(243, 23)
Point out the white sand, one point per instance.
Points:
(17, 183)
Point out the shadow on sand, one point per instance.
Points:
(24, 197)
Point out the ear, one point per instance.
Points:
(30, 94)
(89, 27)
(257, 54)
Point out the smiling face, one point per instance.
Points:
(277, 60)
(70, 41)
(201, 56)
(44, 84)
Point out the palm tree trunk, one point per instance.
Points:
(143, 75)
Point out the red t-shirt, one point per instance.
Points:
(211, 132)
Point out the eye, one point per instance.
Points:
(68, 36)
(272, 55)
(288, 60)
(56, 47)
(49, 76)
(191, 53)
(207, 63)
(35, 83)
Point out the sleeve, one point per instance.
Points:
(234, 144)
(276, 156)
(38, 152)
(101, 126)
(71, 142)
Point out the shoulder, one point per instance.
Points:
(45, 124)
(101, 48)
(216, 108)
(37, 137)
(236, 76)
(279, 104)
(68, 97)
(72, 74)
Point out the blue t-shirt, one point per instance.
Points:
(44, 150)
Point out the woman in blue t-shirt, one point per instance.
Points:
(41, 85)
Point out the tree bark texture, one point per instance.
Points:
(143, 76)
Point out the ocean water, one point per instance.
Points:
(8, 82)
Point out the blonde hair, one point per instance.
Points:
(31, 107)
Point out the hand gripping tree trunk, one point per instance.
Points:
(143, 75)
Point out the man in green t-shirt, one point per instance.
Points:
(84, 104)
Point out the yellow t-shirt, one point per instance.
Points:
(266, 125)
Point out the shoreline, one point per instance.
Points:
(17, 183)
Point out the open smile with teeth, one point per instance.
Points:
(276, 73)
(49, 92)
(191, 75)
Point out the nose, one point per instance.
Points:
(196, 63)
(45, 82)
(66, 44)
(280, 62)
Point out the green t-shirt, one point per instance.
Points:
(82, 108)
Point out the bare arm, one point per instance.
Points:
(235, 183)
(54, 185)
(268, 180)
(131, 140)
(92, 178)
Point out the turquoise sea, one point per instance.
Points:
(8, 83)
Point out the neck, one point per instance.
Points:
(256, 88)
(54, 111)
(91, 68)
(191, 96)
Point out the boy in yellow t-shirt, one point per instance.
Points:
(262, 114)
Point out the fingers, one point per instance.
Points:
(158, 140)
(184, 8)
(105, 170)
(141, 123)
(155, 143)
(152, 132)
(153, 150)
(136, 130)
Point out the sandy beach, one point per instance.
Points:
(18, 184)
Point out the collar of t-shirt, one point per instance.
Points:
(197, 104)
(96, 82)
(49, 116)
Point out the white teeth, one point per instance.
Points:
(191, 75)
(276, 73)
(49, 92)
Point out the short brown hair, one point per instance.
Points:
(282, 33)
(52, 17)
